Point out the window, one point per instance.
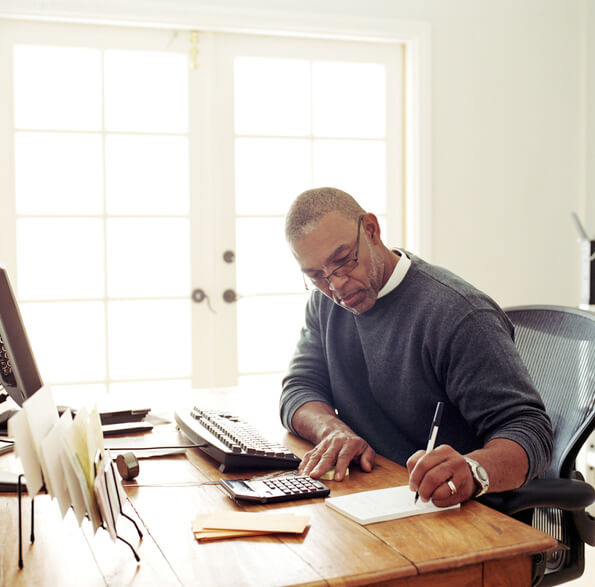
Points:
(134, 174)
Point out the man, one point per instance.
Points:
(386, 337)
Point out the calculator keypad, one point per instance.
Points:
(293, 485)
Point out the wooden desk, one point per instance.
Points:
(473, 546)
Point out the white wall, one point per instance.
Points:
(506, 146)
(513, 127)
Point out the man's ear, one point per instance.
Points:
(372, 227)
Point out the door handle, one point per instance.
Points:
(230, 296)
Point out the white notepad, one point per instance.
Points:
(380, 505)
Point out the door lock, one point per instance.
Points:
(198, 296)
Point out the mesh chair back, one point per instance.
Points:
(558, 347)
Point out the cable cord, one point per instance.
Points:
(173, 484)
(157, 447)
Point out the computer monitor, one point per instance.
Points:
(19, 376)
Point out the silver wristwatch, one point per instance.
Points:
(480, 476)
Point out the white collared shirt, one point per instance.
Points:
(397, 275)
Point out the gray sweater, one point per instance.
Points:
(433, 338)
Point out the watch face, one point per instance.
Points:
(480, 476)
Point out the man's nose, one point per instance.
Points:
(336, 280)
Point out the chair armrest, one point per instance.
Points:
(565, 494)
(585, 526)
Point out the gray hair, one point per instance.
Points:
(311, 206)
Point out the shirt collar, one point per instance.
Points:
(397, 275)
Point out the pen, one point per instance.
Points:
(433, 434)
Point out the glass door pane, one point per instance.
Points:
(102, 201)
(306, 114)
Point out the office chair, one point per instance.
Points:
(557, 345)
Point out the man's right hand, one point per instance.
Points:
(337, 445)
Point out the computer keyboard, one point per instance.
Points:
(233, 442)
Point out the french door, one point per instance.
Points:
(145, 176)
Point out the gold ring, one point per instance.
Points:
(452, 487)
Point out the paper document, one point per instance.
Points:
(51, 449)
(256, 521)
(24, 447)
(29, 427)
(107, 493)
(74, 489)
(380, 505)
(230, 524)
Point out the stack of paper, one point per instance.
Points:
(67, 456)
(378, 505)
(231, 524)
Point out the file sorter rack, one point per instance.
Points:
(111, 510)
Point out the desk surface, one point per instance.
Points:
(473, 546)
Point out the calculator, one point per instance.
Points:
(275, 488)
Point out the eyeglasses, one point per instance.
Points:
(342, 270)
